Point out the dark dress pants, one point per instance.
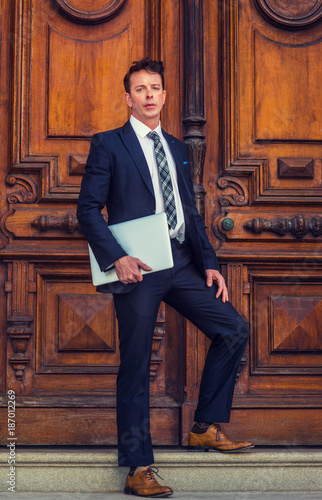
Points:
(185, 289)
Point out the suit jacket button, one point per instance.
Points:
(153, 211)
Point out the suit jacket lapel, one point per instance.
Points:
(133, 146)
(183, 188)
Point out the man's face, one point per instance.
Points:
(146, 97)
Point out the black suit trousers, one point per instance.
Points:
(185, 289)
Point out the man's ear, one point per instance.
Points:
(128, 99)
(164, 96)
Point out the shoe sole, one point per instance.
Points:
(128, 491)
(207, 448)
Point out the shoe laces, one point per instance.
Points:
(219, 431)
(148, 473)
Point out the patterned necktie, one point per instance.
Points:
(165, 177)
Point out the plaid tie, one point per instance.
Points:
(165, 177)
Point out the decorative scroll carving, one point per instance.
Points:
(91, 15)
(158, 336)
(194, 118)
(240, 199)
(292, 15)
(296, 167)
(28, 196)
(69, 223)
(19, 331)
(298, 226)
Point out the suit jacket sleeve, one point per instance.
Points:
(92, 199)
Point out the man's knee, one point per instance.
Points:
(237, 335)
(241, 334)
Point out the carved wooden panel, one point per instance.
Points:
(69, 85)
(279, 115)
(273, 99)
(287, 315)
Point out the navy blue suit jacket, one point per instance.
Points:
(117, 175)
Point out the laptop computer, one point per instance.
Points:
(146, 238)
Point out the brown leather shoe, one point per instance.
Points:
(215, 438)
(144, 484)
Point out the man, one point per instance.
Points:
(138, 170)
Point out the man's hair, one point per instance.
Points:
(147, 65)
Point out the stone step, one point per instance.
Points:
(87, 469)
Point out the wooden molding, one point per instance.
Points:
(88, 16)
(290, 15)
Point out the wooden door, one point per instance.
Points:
(262, 175)
(243, 90)
(63, 63)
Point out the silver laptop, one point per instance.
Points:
(146, 238)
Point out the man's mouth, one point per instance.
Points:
(150, 105)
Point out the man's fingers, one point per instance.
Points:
(220, 289)
(142, 265)
(128, 269)
(224, 297)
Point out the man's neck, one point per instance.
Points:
(141, 126)
(152, 124)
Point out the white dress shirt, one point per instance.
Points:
(147, 146)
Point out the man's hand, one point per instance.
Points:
(214, 275)
(128, 269)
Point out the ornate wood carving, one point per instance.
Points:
(158, 337)
(298, 226)
(194, 118)
(240, 199)
(19, 322)
(74, 12)
(292, 15)
(296, 167)
(19, 331)
(29, 195)
(69, 223)
(4, 232)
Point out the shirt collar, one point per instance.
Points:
(141, 129)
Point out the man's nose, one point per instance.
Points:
(149, 93)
